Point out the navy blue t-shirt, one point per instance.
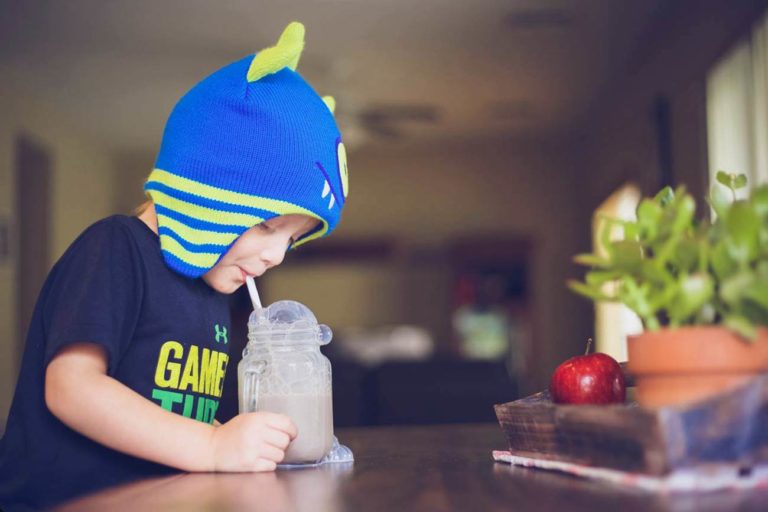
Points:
(165, 336)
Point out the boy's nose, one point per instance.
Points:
(273, 255)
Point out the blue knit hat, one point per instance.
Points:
(250, 142)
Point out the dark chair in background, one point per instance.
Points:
(426, 392)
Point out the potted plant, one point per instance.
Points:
(699, 286)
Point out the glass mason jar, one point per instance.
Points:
(283, 371)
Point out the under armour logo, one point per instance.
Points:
(221, 333)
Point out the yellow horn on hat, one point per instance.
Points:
(330, 103)
(285, 54)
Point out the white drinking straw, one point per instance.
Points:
(255, 300)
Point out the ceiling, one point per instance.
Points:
(399, 69)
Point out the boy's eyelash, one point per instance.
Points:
(266, 227)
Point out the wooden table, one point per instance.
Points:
(398, 469)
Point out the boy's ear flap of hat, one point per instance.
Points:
(285, 54)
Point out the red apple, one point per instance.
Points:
(588, 379)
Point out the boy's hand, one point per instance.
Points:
(254, 441)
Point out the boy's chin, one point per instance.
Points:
(226, 287)
(229, 288)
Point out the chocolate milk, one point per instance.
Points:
(312, 413)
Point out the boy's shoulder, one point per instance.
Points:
(113, 221)
(113, 225)
(115, 231)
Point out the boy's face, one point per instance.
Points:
(257, 250)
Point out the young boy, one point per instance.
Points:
(127, 349)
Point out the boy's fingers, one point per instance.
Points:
(284, 423)
(272, 453)
(277, 438)
(265, 465)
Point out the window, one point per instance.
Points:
(737, 109)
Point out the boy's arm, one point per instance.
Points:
(79, 392)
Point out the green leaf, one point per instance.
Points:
(685, 213)
(591, 260)
(664, 196)
(757, 292)
(669, 248)
(754, 312)
(596, 278)
(648, 211)
(654, 273)
(634, 297)
(743, 228)
(686, 256)
(732, 288)
(742, 326)
(725, 178)
(604, 235)
(705, 249)
(649, 215)
(759, 200)
(722, 263)
(627, 255)
(631, 230)
(732, 181)
(762, 240)
(693, 293)
(588, 291)
(663, 298)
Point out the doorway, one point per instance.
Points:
(33, 196)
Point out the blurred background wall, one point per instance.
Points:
(481, 138)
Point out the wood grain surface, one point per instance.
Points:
(442, 468)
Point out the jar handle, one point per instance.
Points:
(251, 381)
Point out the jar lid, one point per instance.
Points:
(289, 321)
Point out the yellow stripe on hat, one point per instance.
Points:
(198, 259)
(194, 235)
(228, 196)
(203, 213)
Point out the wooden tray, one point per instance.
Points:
(731, 428)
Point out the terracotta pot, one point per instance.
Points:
(687, 364)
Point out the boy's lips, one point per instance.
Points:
(245, 273)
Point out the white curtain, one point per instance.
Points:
(737, 109)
